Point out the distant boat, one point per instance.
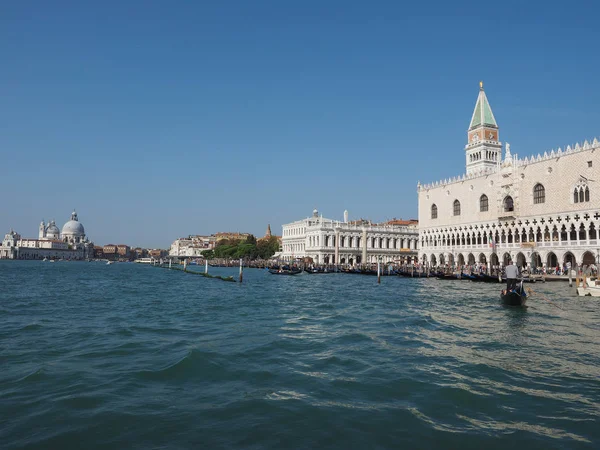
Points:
(108, 263)
(144, 260)
(292, 271)
(45, 259)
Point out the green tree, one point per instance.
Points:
(208, 254)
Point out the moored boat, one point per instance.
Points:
(281, 271)
(592, 291)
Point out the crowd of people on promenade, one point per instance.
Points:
(477, 268)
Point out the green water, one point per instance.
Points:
(134, 357)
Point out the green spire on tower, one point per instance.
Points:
(482, 115)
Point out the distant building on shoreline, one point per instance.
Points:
(328, 241)
(231, 236)
(70, 243)
(537, 211)
(192, 246)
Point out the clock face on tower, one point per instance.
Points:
(475, 137)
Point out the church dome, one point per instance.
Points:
(52, 231)
(73, 227)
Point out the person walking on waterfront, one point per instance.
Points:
(512, 272)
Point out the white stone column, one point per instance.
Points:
(364, 246)
(337, 246)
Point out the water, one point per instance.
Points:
(129, 356)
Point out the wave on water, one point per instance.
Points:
(196, 365)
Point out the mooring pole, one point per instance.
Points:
(206, 266)
(378, 272)
(170, 263)
(241, 271)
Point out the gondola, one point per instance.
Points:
(292, 271)
(516, 297)
(317, 271)
(447, 276)
(488, 278)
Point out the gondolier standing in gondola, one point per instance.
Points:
(512, 273)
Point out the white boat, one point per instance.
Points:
(144, 260)
(593, 291)
(45, 259)
(108, 263)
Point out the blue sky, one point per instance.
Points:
(160, 119)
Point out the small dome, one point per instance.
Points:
(52, 230)
(73, 228)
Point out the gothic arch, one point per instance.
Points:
(551, 260)
(508, 205)
(536, 260)
(456, 207)
(539, 193)
(494, 259)
(521, 261)
(483, 203)
(588, 258)
(569, 257)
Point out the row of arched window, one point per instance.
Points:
(554, 233)
(581, 195)
(539, 196)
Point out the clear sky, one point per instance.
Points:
(159, 119)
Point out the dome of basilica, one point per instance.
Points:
(73, 227)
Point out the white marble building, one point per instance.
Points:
(192, 246)
(328, 241)
(71, 243)
(542, 210)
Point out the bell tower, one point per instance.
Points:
(42, 232)
(483, 149)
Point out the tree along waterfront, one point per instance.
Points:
(248, 249)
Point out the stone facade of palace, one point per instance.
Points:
(539, 211)
(70, 243)
(328, 241)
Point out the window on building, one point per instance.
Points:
(587, 194)
(580, 195)
(539, 194)
(483, 203)
(575, 196)
(433, 211)
(509, 204)
(589, 164)
(456, 208)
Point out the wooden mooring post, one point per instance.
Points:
(378, 272)
(241, 270)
